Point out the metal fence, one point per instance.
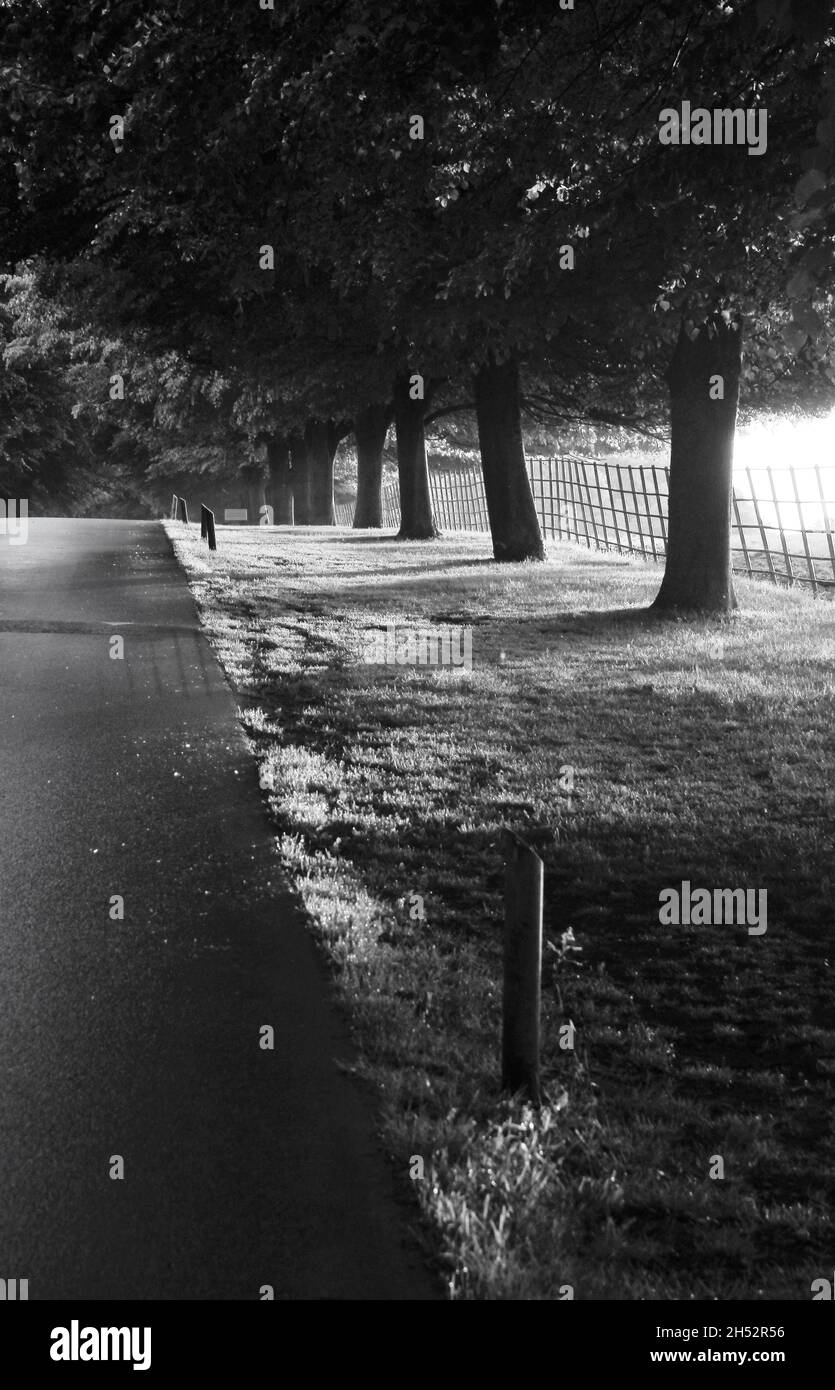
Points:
(783, 518)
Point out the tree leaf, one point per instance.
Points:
(811, 182)
(793, 337)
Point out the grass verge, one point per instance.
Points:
(633, 754)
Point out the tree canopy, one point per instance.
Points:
(296, 204)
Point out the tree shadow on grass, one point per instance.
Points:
(395, 580)
(588, 620)
(738, 1029)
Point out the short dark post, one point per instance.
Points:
(210, 529)
(183, 509)
(522, 967)
(174, 500)
(203, 511)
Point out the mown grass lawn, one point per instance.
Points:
(700, 751)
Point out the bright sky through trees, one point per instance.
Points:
(787, 442)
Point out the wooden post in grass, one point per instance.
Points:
(174, 500)
(202, 522)
(183, 509)
(522, 967)
(210, 527)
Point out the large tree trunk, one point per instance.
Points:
(321, 448)
(698, 577)
(256, 497)
(281, 485)
(300, 479)
(416, 520)
(514, 524)
(370, 430)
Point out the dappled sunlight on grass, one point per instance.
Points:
(634, 753)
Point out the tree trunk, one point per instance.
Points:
(370, 430)
(514, 524)
(698, 577)
(281, 485)
(321, 447)
(256, 498)
(300, 478)
(416, 520)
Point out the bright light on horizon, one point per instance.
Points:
(786, 442)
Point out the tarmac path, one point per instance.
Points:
(140, 1037)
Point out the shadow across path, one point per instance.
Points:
(178, 1120)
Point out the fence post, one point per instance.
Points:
(740, 530)
(766, 544)
(183, 509)
(786, 556)
(810, 564)
(522, 967)
(826, 522)
(207, 526)
(174, 500)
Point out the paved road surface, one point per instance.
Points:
(140, 1037)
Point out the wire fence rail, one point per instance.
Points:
(783, 519)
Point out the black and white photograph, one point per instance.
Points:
(417, 713)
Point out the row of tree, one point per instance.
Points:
(277, 225)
